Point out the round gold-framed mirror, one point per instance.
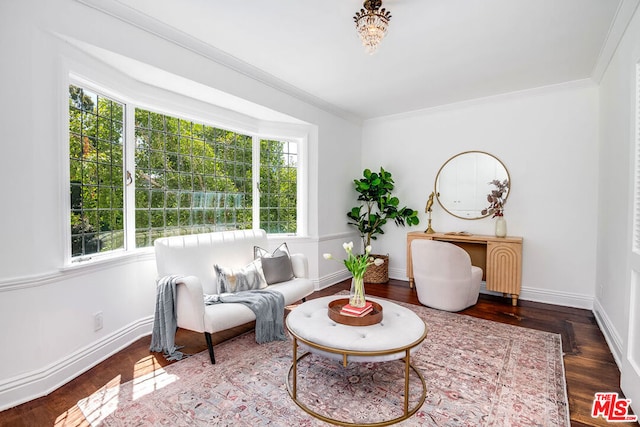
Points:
(465, 180)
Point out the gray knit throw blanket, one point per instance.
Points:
(165, 322)
(266, 304)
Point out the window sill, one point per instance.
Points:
(288, 237)
(100, 261)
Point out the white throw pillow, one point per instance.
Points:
(247, 278)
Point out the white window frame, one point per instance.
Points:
(187, 109)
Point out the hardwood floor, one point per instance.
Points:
(589, 365)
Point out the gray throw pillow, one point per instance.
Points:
(276, 266)
(235, 280)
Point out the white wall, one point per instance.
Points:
(547, 138)
(46, 311)
(615, 186)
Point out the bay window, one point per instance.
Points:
(186, 177)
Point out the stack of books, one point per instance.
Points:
(349, 310)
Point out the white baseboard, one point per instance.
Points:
(557, 297)
(31, 385)
(528, 293)
(611, 336)
(332, 279)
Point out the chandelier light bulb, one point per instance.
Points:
(372, 23)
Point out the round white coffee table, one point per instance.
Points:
(397, 336)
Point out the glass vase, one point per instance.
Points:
(501, 227)
(356, 295)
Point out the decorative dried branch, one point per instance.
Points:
(497, 198)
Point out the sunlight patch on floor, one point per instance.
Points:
(148, 375)
(101, 403)
(145, 383)
(71, 418)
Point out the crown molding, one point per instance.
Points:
(146, 23)
(625, 12)
(536, 91)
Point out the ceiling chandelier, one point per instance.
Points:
(371, 24)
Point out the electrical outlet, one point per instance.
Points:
(98, 321)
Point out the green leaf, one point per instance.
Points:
(375, 194)
(362, 186)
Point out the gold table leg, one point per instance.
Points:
(295, 369)
(292, 389)
(407, 365)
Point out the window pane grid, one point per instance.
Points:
(278, 186)
(95, 166)
(188, 186)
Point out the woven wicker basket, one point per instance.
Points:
(377, 273)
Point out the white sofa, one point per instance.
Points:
(194, 256)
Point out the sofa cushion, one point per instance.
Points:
(275, 266)
(244, 279)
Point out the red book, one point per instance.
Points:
(364, 313)
(348, 308)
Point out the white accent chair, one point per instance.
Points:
(443, 275)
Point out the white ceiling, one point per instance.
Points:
(436, 52)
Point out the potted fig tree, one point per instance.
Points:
(377, 207)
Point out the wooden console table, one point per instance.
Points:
(499, 257)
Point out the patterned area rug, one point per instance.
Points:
(478, 373)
